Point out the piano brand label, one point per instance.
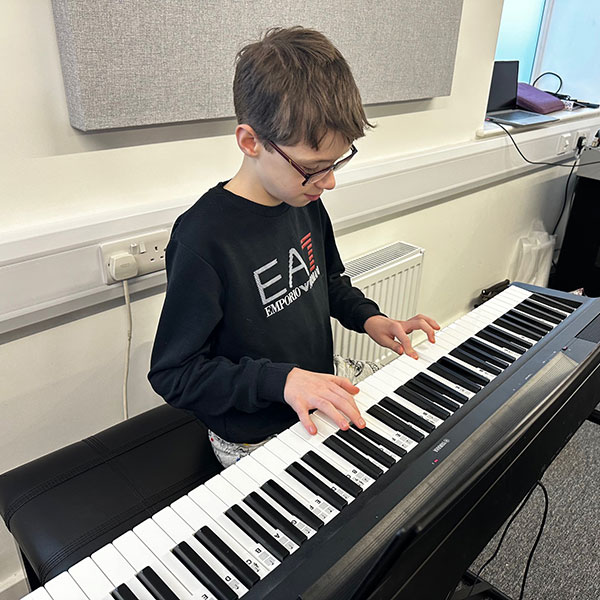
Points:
(441, 445)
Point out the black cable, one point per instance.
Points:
(537, 539)
(565, 201)
(532, 162)
(550, 73)
(493, 556)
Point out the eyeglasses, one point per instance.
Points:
(317, 175)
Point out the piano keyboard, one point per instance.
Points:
(228, 536)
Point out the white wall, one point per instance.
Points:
(62, 381)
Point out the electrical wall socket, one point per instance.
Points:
(147, 248)
(564, 143)
(583, 133)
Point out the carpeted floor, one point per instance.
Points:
(566, 565)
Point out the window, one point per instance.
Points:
(554, 35)
(519, 33)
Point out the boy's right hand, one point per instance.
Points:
(333, 395)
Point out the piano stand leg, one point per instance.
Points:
(595, 416)
(481, 590)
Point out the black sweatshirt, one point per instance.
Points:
(250, 292)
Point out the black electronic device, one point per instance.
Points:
(396, 511)
(578, 264)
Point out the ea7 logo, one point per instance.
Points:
(300, 275)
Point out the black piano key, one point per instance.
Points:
(483, 347)
(247, 524)
(470, 374)
(314, 484)
(538, 313)
(227, 556)
(513, 317)
(520, 344)
(529, 320)
(413, 390)
(290, 503)
(203, 572)
(526, 332)
(483, 356)
(155, 585)
(435, 384)
(391, 421)
(417, 400)
(351, 437)
(570, 302)
(352, 456)
(548, 312)
(564, 305)
(274, 518)
(452, 375)
(435, 396)
(491, 335)
(380, 440)
(406, 414)
(320, 465)
(475, 361)
(123, 593)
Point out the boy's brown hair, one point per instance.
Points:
(293, 86)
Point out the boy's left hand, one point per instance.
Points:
(393, 334)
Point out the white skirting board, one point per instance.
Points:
(54, 270)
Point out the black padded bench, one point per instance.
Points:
(64, 506)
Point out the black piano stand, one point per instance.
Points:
(482, 589)
(595, 416)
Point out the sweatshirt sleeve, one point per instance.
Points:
(347, 303)
(183, 370)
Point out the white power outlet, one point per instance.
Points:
(147, 248)
(564, 143)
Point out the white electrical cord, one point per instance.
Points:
(128, 350)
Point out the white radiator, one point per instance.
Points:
(391, 276)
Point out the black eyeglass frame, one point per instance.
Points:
(318, 174)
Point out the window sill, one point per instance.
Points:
(490, 129)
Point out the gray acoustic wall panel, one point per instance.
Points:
(129, 63)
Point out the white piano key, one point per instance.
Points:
(455, 386)
(263, 458)
(344, 466)
(230, 496)
(113, 565)
(160, 545)
(291, 455)
(511, 333)
(64, 587)
(139, 556)
(118, 570)
(332, 429)
(269, 466)
(473, 368)
(179, 531)
(417, 410)
(91, 579)
(196, 518)
(542, 321)
(390, 434)
(215, 508)
(238, 477)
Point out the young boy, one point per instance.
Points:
(244, 340)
